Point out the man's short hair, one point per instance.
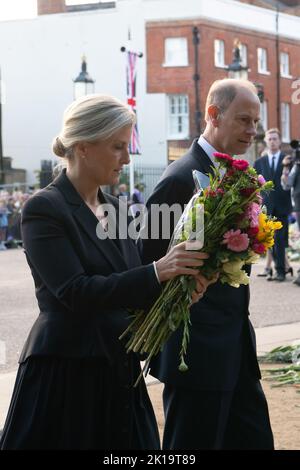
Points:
(222, 93)
(273, 130)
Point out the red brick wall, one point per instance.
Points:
(173, 80)
(46, 7)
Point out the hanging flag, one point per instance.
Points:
(134, 147)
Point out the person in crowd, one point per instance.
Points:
(277, 201)
(122, 191)
(137, 200)
(262, 151)
(218, 403)
(290, 180)
(3, 224)
(74, 387)
(268, 270)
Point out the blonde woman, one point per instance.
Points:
(74, 388)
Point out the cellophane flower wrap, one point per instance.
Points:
(225, 220)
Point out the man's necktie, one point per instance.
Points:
(273, 167)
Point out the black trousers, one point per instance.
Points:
(197, 419)
(280, 243)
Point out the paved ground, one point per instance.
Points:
(275, 313)
(271, 303)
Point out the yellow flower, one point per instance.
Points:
(266, 230)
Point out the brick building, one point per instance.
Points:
(272, 60)
(50, 7)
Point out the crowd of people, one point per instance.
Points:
(133, 200)
(283, 202)
(12, 201)
(11, 204)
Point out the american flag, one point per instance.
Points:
(134, 147)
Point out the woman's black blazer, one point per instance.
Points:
(83, 284)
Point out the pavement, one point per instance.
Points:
(275, 314)
(267, 339)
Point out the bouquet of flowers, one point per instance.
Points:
(225, 220)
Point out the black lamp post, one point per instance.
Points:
(260, 131)
(236, 69)
(196, 78)
(83, 84)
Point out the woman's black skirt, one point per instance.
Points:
(62, 403)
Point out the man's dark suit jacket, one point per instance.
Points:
(278, 202)
(220, 331)
(82, 283)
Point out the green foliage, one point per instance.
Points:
(281, 354)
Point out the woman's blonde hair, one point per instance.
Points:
(91, 118)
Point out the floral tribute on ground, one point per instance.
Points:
(225, 220)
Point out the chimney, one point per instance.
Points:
(48, 7)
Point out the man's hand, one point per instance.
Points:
(287, 160)
(202, 284)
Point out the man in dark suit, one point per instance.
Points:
(278, 202)
(218, 403)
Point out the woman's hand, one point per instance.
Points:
(202, 284)
(179, 261)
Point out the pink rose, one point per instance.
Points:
(236, 240)
(252, 232)
(247, 191)
(258, 248)
(241, 165)
(261, 180)
(223, 157)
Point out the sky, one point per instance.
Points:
(16, 9)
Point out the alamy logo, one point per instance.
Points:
(296, 93)
(120, 224)
(2, 353)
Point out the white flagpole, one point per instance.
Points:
(131, 175)
(131, 164)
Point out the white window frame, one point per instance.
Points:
(219, 53)
(176, 52)
(285, 65)
(264, 114)
(179, 118)
(262, 61)
(285, 113)
(70, 3)
(244, 55)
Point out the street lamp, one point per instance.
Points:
(83, 84)
(260, 131)
(196, 78)
(236, 69)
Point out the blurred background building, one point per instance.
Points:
(186, 45)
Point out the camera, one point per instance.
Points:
(295, 144)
